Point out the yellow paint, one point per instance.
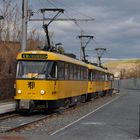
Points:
(33, 93)
(107, 85)
(91, 87)
(71, 88)
(54, 89)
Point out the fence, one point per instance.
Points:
(127, 84)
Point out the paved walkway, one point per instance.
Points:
(117, 120)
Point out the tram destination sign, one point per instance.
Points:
(35, 56)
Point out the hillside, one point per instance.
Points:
(124, 68)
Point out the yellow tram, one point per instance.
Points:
(50, 80)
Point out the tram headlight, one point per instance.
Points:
(19, 91)
(42, 92)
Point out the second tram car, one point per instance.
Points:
(99, 81)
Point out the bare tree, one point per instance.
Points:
(34, 40)
(122, 73)
(10, 26)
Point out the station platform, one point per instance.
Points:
(7, 106)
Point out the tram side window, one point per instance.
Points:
(97, 76)
(93, 75)
(75, 72)
(79, 73)
(61, 70)
(90, 75)
(71, 72)
(66, 71)
(82, 73)
(106, 79)
(103, 76)
(85, 74)
(111, 77)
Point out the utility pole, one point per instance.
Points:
(24, 25)
(84, 44)
(81, 39)
(100, 52)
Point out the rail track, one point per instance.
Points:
(7, 116)
(16, 122)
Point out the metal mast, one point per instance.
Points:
(45, 26)
(24, 25)
(100, 52)
(84, 44)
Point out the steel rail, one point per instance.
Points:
(7, 116)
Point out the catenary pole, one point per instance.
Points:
(24, 25)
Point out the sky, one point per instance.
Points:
(116, 26)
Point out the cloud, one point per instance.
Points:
(116, 26)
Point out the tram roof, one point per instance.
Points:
(93, 67)
(50, 56)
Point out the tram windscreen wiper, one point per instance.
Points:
(34, 75)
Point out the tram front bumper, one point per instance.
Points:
(24, 104)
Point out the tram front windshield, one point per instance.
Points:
(35, 69)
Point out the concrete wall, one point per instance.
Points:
(127, 84)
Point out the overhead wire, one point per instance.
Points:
(74, 10)
(41, 3)
(52, 3)
(75, 21)
(67, 15)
